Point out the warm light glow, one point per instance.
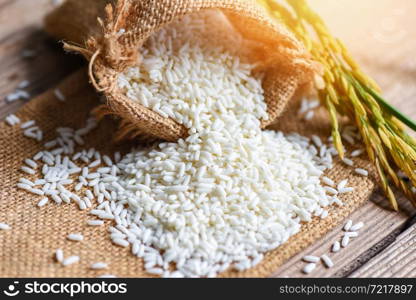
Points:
(376, 25)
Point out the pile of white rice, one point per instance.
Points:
(218, 199)
(230, 191)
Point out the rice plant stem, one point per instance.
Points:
(391, 109)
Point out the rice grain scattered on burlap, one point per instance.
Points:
(127, 24)
(27, 250)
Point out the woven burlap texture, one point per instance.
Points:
(27, 250)
(284, 60)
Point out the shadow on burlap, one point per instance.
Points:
(27, 250)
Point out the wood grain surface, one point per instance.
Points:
(380, 34)
(381, 228)
(397, 260)
(20, 31)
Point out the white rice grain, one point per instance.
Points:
(59, 255)
(309, 268)
(309, 115)
(107, 276)
(155, 271)
(99, 266)
(346, 190)
(345, 241)
(328, 181)
(4, 226)
(24, 186)
(27, 182)
(121, 242)
(43, 202)
(12, 120)
(70, 260)
(336, 247)
(357, 152)
(38, 192)
(27, 124)
(351, 234)
(95, 222)
(23, 84)
(324, 214)
(342, 184)
(348, 138)
(59, 95)
(327, 261)
(331, 190)
(76, 237)
(348, 162)
(310, 259)
(28, 170)
(348, 225)
(362, 172)
(357, 226)
(31, 163)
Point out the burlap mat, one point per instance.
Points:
(27, 250)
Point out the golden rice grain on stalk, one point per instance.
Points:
(348, 91)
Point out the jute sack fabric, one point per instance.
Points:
(27, 250)
(109, 33)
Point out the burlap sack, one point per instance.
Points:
(27, 250)
(284, 60)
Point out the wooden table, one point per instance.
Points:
(380, 34)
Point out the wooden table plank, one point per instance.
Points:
(379, 223)
(50, 64)
(397, 260)
(18, 14)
